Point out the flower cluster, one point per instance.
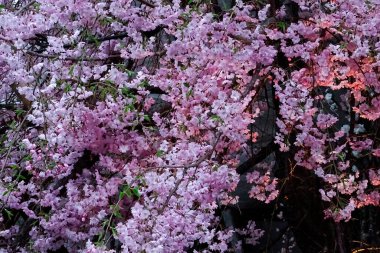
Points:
(124, 121)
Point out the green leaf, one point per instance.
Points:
(125, 191)
(71, 70)
(19, 112)
(27, 158)
(144, 83)
(281, 25)
(122, 192)
(147, 118)
(216, 118)
(109, 82)
(128, 192)
(92, 38)
(8, 213)
(159, 153)
(37, 6)
(121, 195)
(108, 90)
(114, 231)
(129, 108)
(113, 207)
(342, 156)
(136, 192)
(125, 91)
(13, 124)
(51, 165)
(133, 74)
(20, 177)
(106, 21)
(189, 93)
(117, 214)
(2, 6)
(67, 88)
(14, 166)
(100, 237)
(103, 94)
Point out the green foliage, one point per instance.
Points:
(147, 118)
(8, 213)
(67, 88)
(129, 108)
(37, 6)
(106, 21)
(127, 191)
(216, 118)
(282, 25)
(189, 93)
(71, 70)
(160, 153)
(19, 112)
(13, 125)
(26, 158)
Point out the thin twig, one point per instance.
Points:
(58, 57)
(14, 140)
(186, 167)
(147, 3)
(24, 8)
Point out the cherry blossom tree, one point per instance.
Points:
(124, 121)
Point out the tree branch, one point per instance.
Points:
(58, 57)
(147, 3)
(257, 158)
